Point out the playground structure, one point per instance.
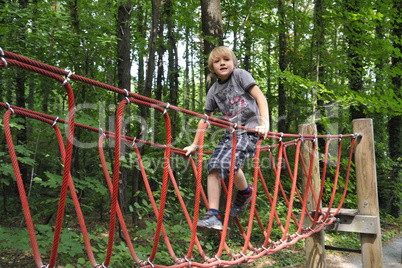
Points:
(306, 162)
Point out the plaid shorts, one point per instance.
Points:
(221, 158)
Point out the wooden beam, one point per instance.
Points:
(348, 220)
(366, 188)
(314, 245)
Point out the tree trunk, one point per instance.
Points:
(141, 88)
(212, 28)
(202, 72)
(124, 82)
(161, 52)
(319, 22)
(355, 73)
(20, 82)
(395, 122)
(173, 68)
(282, 66)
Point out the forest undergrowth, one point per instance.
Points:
(15, 247)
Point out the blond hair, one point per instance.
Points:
(221, 51)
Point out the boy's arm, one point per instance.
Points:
(262, 103)
(190, 149)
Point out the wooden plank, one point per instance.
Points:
(347, 220)
(343, 211)
(363, 224)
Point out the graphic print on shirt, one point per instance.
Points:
(235, 102)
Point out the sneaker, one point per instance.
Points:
(241, 203)
(210, 221)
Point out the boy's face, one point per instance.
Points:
(223, 66)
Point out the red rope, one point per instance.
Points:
(319, 220)
(21, 189)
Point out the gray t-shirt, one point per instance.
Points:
(233, 100)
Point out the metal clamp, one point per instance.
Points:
(101, 132)
(167, 106)
(9, 107)
(128, 100)
(3, 59)
(301, 136)
(135, 138)
(67, 77)
(220, 263)
(267, 250)
(246, 260)
(280, 139)
(55, 121)
(189, 262)
(150, 263)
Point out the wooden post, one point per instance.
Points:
(315, 245)
(366, 187)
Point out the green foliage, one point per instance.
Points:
(343, 239)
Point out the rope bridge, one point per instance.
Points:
(294, 199)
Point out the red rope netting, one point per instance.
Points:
(263, 212)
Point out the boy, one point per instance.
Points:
(241, 101)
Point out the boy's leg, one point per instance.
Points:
(244, 194)
(240, 180)
(214, 189)
(211, 219)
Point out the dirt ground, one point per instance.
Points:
(392, 256)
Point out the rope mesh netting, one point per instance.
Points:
(263, 217)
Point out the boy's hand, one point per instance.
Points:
(262, 131)
(190, 149)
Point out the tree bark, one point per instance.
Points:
(282, 66)
(173, 68)
(141, 88)
(355, 72)
(212, 28)
(124, 82)
(319, 103)
(20, 82)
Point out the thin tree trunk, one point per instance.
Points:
(282, 66)
(212, 28)
(156, 5)
(318, 7)
(355, 73)
(20, 82)
(137, 177)
(124, 82)
(202, 71)
(187, 74)
(173, 72)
